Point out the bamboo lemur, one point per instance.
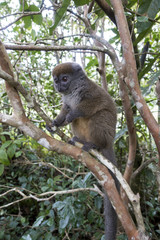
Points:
(92, 114)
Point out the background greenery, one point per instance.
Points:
(77, 215)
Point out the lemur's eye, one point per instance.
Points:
(64, 79)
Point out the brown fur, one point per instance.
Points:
(62, 68)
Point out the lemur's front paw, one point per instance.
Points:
(53, 127)
(49, 129)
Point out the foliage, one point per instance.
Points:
(78, 215)
(49, 219)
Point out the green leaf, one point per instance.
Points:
(59, 15)
(91, 216)
(98, 202)
(148, 67)
(33, 8)
(143, 34)
(26, 237)
(4, 157)
(37, 19)
(63, 222)
(27, 22)
(23, 220)
(59, 205)
(148, 9)
(3, 139)
(81, 2)
(121, 133)
(44, 188)
(3, 4)
(11, 151)
(19, 142)
(38, 221)
(5, 133)
(88, 175)
(51, 213)
(143, 26)
(131, 3)
(22, 179)
(18, 154)
(49, 236)
(6, 144)
(103, 237)
(33, 34)
(149, 204)
(50, 182)
(1, 169)
(142, 19)
(50, 222)
(23, 5)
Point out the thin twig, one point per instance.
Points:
(24, 15)
(40, 197)
(141, 167)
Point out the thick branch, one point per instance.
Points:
(13, 95)
(107, 9)
(132, 79)
(134, 199)
(110, 13)
(130, 125)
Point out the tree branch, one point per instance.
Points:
(107, 9)
(131, 128)
(40, 197)
(134, 199)
(53, 48)
(141, 167)
(11, 91)
(132, 78)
